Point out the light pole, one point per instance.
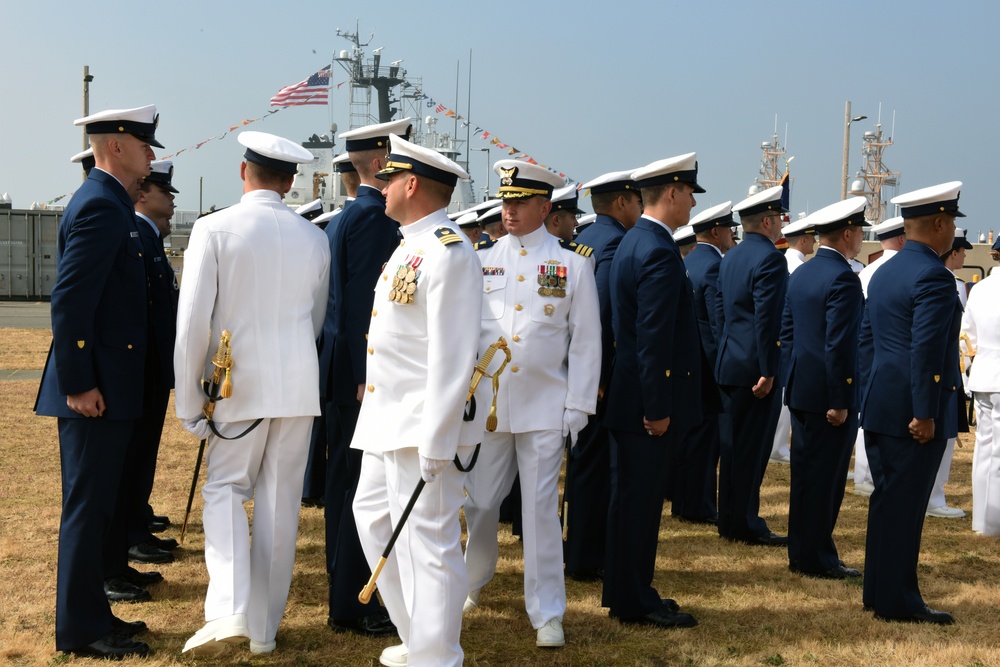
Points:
(847, 143)
(489, 168)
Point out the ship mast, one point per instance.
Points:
(875, 175)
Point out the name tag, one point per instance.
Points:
(134, 235)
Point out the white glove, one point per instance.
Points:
(573, 423)
(431, 468)
(197, 427)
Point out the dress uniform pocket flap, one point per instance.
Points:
(494, 283)
(119, 339)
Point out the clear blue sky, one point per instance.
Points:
(585, 87)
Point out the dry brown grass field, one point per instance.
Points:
(752, 611)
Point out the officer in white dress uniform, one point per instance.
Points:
(261, 272)
(892, 237)
(541, 295)
(422, 345)
(801, 239)
(981, 324)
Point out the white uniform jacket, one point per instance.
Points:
(555, 340)
(981, 323)
(261, 271)
(795, 259)
(421, 353)
(866, 273)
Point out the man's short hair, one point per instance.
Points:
(267, 177)
(752, 223)
(362, 161)
(603, 201)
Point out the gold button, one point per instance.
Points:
(140, 254)
(130, 347)
(374, 312)
(487, 289)
(689, 373)
(385, 277)
(517, 307)
(402, 242)
(953, 388)
(523, 252)
(778, 343)
(514, 369)
(520, 279)
(366, 336)
(371, 350)
(668, 372)
(516, 338)
(371, 388)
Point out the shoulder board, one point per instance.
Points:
(483, 245)
(578, 248)
(447, 236)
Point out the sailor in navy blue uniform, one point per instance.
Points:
(654, 396)
(618, 205)
(909, 362)
(362, 239)
(93, 378)
(317, 471)
(819, 334)
(153, 211)
(694, 478)
(753, 277)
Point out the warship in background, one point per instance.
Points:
(378, 93)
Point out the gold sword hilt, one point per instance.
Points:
(223, 362)
(482, 370)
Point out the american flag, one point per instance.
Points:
(314, 90)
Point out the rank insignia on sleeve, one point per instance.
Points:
(578, 248)
(447, 236)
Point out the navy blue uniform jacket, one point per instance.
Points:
(658, 360)
(361, 242)
(753, 278)
(99, 304)
(162, 300)
(819, 333)
(604, 235)
(909, 345)
(703, 269)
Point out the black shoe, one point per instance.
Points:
(374, 625)
(768, 540)
(926, 615)
(118, 590)
(128, 628)
(114, 646)
(663, 618)
(670, 604)
(839, 572)
(318, 501)
(147, 553)
(165, 543)
(156, 526)
(595, 574)
(711, 520)
(142, 579)
(159, 518)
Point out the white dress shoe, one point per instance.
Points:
(551, 635)
(217, 634)
(394, 656)
(863, 488)
(262, 647)
(472, 601)
(945, 512)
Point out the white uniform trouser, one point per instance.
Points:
(424, 582)
(268, 465)
(986, 465)
(783, 433)
(944, 470)
(537, 456)
(862, 474)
